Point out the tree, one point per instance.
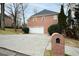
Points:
(77, 20)
(24, 7)
(71, 29)
(2, 16)
(62, 19)
(14, 10)
(77, 15)
(70, 21)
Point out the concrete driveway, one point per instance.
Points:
(73, 51)
(30, 44)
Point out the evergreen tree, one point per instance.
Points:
(62, 19)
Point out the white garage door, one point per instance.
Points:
(37, 30)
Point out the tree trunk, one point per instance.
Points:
(2, 17)
(23, 16)
(15, 22)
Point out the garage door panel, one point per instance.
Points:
(37, 30)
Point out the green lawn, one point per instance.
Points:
(11, 31)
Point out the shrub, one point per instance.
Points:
(54, 28)
(9, 27)
(25, 29)
(72, 33)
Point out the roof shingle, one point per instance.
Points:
(45, 12)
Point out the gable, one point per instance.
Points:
(45, 12)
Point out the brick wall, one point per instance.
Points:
(57, 48)
(8, 22)
(44, 21)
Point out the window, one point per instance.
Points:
(33, 19)
(55, 17)
(43, 18)
(57, 40)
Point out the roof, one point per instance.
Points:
(45, 12)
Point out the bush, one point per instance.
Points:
(25, 29)
(72, 33)
(9, 27)
(54, 28)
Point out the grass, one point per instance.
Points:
(10, 31)
(71, 42)
(49, 53)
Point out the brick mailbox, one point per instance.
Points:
(57, 43)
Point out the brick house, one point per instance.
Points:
(39, 22)
(8, 21)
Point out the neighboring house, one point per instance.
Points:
(39, 22)
(8, 21)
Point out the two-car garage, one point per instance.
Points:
(38, 30)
